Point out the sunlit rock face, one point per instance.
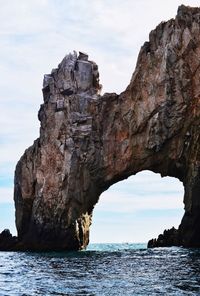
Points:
(88, 142)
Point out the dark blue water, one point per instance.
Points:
(104, 269)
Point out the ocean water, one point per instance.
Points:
(104, 269)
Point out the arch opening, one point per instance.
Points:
(138, 208)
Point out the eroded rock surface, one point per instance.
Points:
(88, 142)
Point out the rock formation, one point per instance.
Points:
(89, 142)
(7, 241)
(170, 237)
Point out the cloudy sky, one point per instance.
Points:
(35, 35)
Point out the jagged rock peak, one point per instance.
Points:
(75, 74)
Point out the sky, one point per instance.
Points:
(35, 35)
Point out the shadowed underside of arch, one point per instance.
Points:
(88, 142)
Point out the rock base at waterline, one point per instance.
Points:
(169, 238)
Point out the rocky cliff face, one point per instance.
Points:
(88, 142)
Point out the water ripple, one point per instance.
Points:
(112, 269)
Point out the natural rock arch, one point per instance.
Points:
(88, 142)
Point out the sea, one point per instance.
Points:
(103, 269)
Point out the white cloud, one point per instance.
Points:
(145, 191)
(123, 202)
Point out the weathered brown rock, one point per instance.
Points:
(89, 142)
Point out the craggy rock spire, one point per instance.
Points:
(52, 181)
(88, 142)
